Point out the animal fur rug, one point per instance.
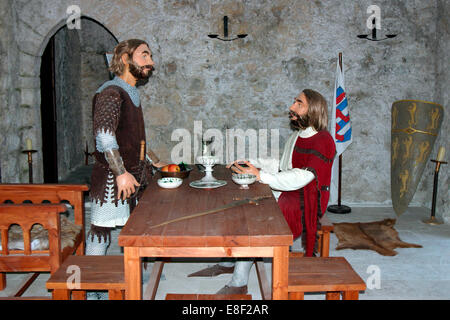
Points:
(39, 236)
(378, 235)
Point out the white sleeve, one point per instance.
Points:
(288, 180)
(105, 140)
(267, 164)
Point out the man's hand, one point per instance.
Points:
(126, 184)
(159, 164)
(251, 169)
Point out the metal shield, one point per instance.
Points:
(415, 127)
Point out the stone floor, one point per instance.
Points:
(414, 273)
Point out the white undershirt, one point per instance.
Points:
(288, 179)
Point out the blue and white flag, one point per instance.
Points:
(341, 128)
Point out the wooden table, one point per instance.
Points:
(245, 231)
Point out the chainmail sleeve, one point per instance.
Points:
(107, 112)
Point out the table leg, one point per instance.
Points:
(115, 294)
(350, 295)
(296, 296)
(2, 281)
(333, 295)
(133, 273)
(61, 294)
(280, 269)
(78, 295)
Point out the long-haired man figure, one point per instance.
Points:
(300, 182)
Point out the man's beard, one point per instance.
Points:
(300, 122)
(139, 71)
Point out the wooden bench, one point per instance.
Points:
(265, 288)
(173, 296)
(26, 215)
(334, 276)
(79, 274)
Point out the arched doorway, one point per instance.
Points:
(73, 66)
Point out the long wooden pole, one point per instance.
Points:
(340, 156)
(219, 209)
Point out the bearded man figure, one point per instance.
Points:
(118, 128)
(300, 181)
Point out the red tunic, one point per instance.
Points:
(303, 208)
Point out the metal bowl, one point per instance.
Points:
(182, 174)
(244, 179)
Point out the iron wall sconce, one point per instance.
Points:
(374, 34)
(225, 33)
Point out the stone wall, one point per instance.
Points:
(250, 83)
(15, 122)
(442, 97)
(81, 69)
(95, 41)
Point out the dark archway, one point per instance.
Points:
(48, 114)
(73, 65)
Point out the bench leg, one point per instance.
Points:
(350, 295)
(78, 295)
(325, 245)
(116, 294)
(80, 249)
(320, 242)
(296, 295)
(2, 281)
(61, 294)
(333, 295)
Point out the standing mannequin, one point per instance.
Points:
(118, 127)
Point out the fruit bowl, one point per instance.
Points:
(243, 179)
(170, 183)
(180, 174)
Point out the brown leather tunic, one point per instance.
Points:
(114, 111)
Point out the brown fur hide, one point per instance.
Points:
(378, 235)
(39, 236)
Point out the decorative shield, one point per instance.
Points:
(415, 126)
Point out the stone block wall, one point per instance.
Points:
(95, 41)
(442, 97)
(250, 83)
(16, 101)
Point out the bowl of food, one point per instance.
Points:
(169, 182)
(243, 179)
(181, 171)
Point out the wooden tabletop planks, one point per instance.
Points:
(246, 225)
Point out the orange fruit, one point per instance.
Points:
(173, 168)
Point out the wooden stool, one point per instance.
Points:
(324, 236)
(334, 275)
(95, 273)
(174, 296)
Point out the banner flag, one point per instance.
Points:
(341, 128)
